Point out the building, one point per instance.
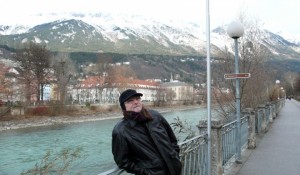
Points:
(177, 91)
(95, 89)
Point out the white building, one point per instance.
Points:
(178, 91)
(94, 90)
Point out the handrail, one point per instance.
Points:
(116, 169)
(112, 171)
(192, 139)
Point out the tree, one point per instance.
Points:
(34, 63)
(102, 68)
(297, 85)
(64, 69)
(252, 57)
(170, 94)
(26, 75)
(120, 75)
(4, 88)
(290, 78)
(40, 57)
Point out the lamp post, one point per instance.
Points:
(283, 92)
(236, 30)
(208, 82)
(277, 82)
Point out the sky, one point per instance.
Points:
(275, 15)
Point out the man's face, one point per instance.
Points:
(134, 104)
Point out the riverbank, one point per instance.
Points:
(25, 122)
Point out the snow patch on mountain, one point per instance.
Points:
(293, 38)
(14, 29)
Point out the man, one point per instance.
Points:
(143, 143)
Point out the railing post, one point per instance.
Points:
(216, 145)
(270, 116)
(263, 124)
(267, 117)
(249, 113)
(273, 110)
(277, 107)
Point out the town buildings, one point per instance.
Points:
(92, 89)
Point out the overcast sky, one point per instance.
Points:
(277, 15)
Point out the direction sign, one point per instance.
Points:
(239, 75)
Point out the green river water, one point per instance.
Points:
(22, 149)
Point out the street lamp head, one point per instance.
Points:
(277, 81)
(235, 30)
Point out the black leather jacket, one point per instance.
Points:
(148, 148)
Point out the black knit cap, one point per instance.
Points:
(125, 95)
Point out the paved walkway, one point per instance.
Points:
(278, 151)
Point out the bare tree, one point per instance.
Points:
(40, 58)
(33, 63)
(103, 63)
(170, 95)
(160, 97)
(297, 85)
(290, 78)
(252, 56)
(120, 75)
(102, 68)
(64, 69)
(6, 88)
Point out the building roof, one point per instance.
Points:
(174, 83)
(96, 81)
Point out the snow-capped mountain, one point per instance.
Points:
(134, 34)
(13, 30)
(293, 38)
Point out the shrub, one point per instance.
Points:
(40, 110)
(93, 108)
(55, 163)
(87, 104)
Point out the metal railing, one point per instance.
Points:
(193, 152)
(229, 145)
(228, 141)
(116, 171)
(193, 155)
(244, 131)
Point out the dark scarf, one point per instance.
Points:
(142, 116)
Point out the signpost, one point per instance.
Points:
(239, 75)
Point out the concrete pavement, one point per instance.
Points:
(277, 151)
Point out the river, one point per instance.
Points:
(22, 149)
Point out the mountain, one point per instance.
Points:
(154, 49)
(132, 35)
(107, 36)
(282, 47)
